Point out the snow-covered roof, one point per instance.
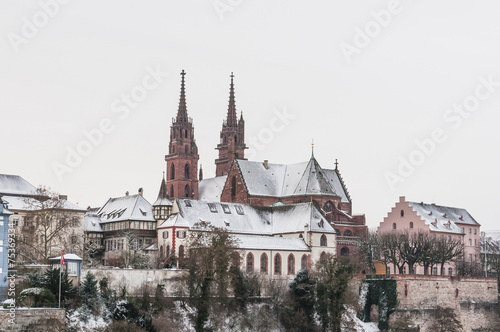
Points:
(303, 179)
(245, 219)
(162, 201)
(493, 235)
(72, 257)
(443, 218)
(15, 185)
(91, 222)
(31, 204)
(270, 243)
(133, 207)
(211, 189)
(152, 247)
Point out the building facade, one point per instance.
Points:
(439, 221)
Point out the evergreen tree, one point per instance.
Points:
(304, 297)
(89, 294)
(50, 280)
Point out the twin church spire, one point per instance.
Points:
(182, 159)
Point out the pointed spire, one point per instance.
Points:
(201, 172)
(163, 188)
(312, 148)
(182, 111)
(231, 110)
(241, 117)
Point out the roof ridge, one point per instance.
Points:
(336, 170)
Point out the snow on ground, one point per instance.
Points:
(353, 320)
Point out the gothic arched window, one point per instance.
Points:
(303, 262)
(185, 133)
(291, 264)
(277, 264)
(263, 263)
(348, 233)
(322, 241)
(172, 172)
(344, 251)
(233, 187)
(186, 172)
(186, 148)
(186, 191)
(171, 191)
(250, 262)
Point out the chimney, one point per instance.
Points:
(140, 191)
(126, 193)
(266, 165)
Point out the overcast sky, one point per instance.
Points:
(405, 94)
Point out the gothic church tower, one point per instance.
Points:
(232, 137)
(182, 158)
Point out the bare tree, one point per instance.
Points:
(46, 227)
(390, 250)
(447, 249)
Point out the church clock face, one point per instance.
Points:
(328, 208)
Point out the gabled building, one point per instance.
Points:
(278, 240)
(262, 184)
(127, 223)
(26, 203)
(436, 220)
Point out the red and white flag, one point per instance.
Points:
(63, 262)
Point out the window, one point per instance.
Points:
(434, 270)
(263, 263)
(303, 262)
(185, 133)
(172, 191)
(225, 208)
(475, 231)
(74, 222)
(411, 224)
(137, 225)
(250, 262)
(186, 191)
(470, 257)
(344, 251)
(322, 241)
(181, 251)
(239, 210)
(168, 251)
(212, 207)
(172, 172)
(186, 172)
(291, 264)
(15, 221)
(277, 264)
(402, 213)
(233, 188)
(150, 225)
(475, 242)
(165, 234)
(470, 242)
(393, 225)
(348, 233)
(1, 221)
(181, 234)
(470, 230)
(450, 271)
(185, 149)
(72, 268)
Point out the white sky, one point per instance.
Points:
(286, 55)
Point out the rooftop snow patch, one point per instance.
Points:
(211, 189)
(133, 207)
(15, 185)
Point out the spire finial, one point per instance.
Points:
(312, 148)
(231, 110)
(336, 164)
(182, 112)
(163, 175)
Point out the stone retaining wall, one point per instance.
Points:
(36, 319)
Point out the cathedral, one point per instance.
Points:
(251, 198)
